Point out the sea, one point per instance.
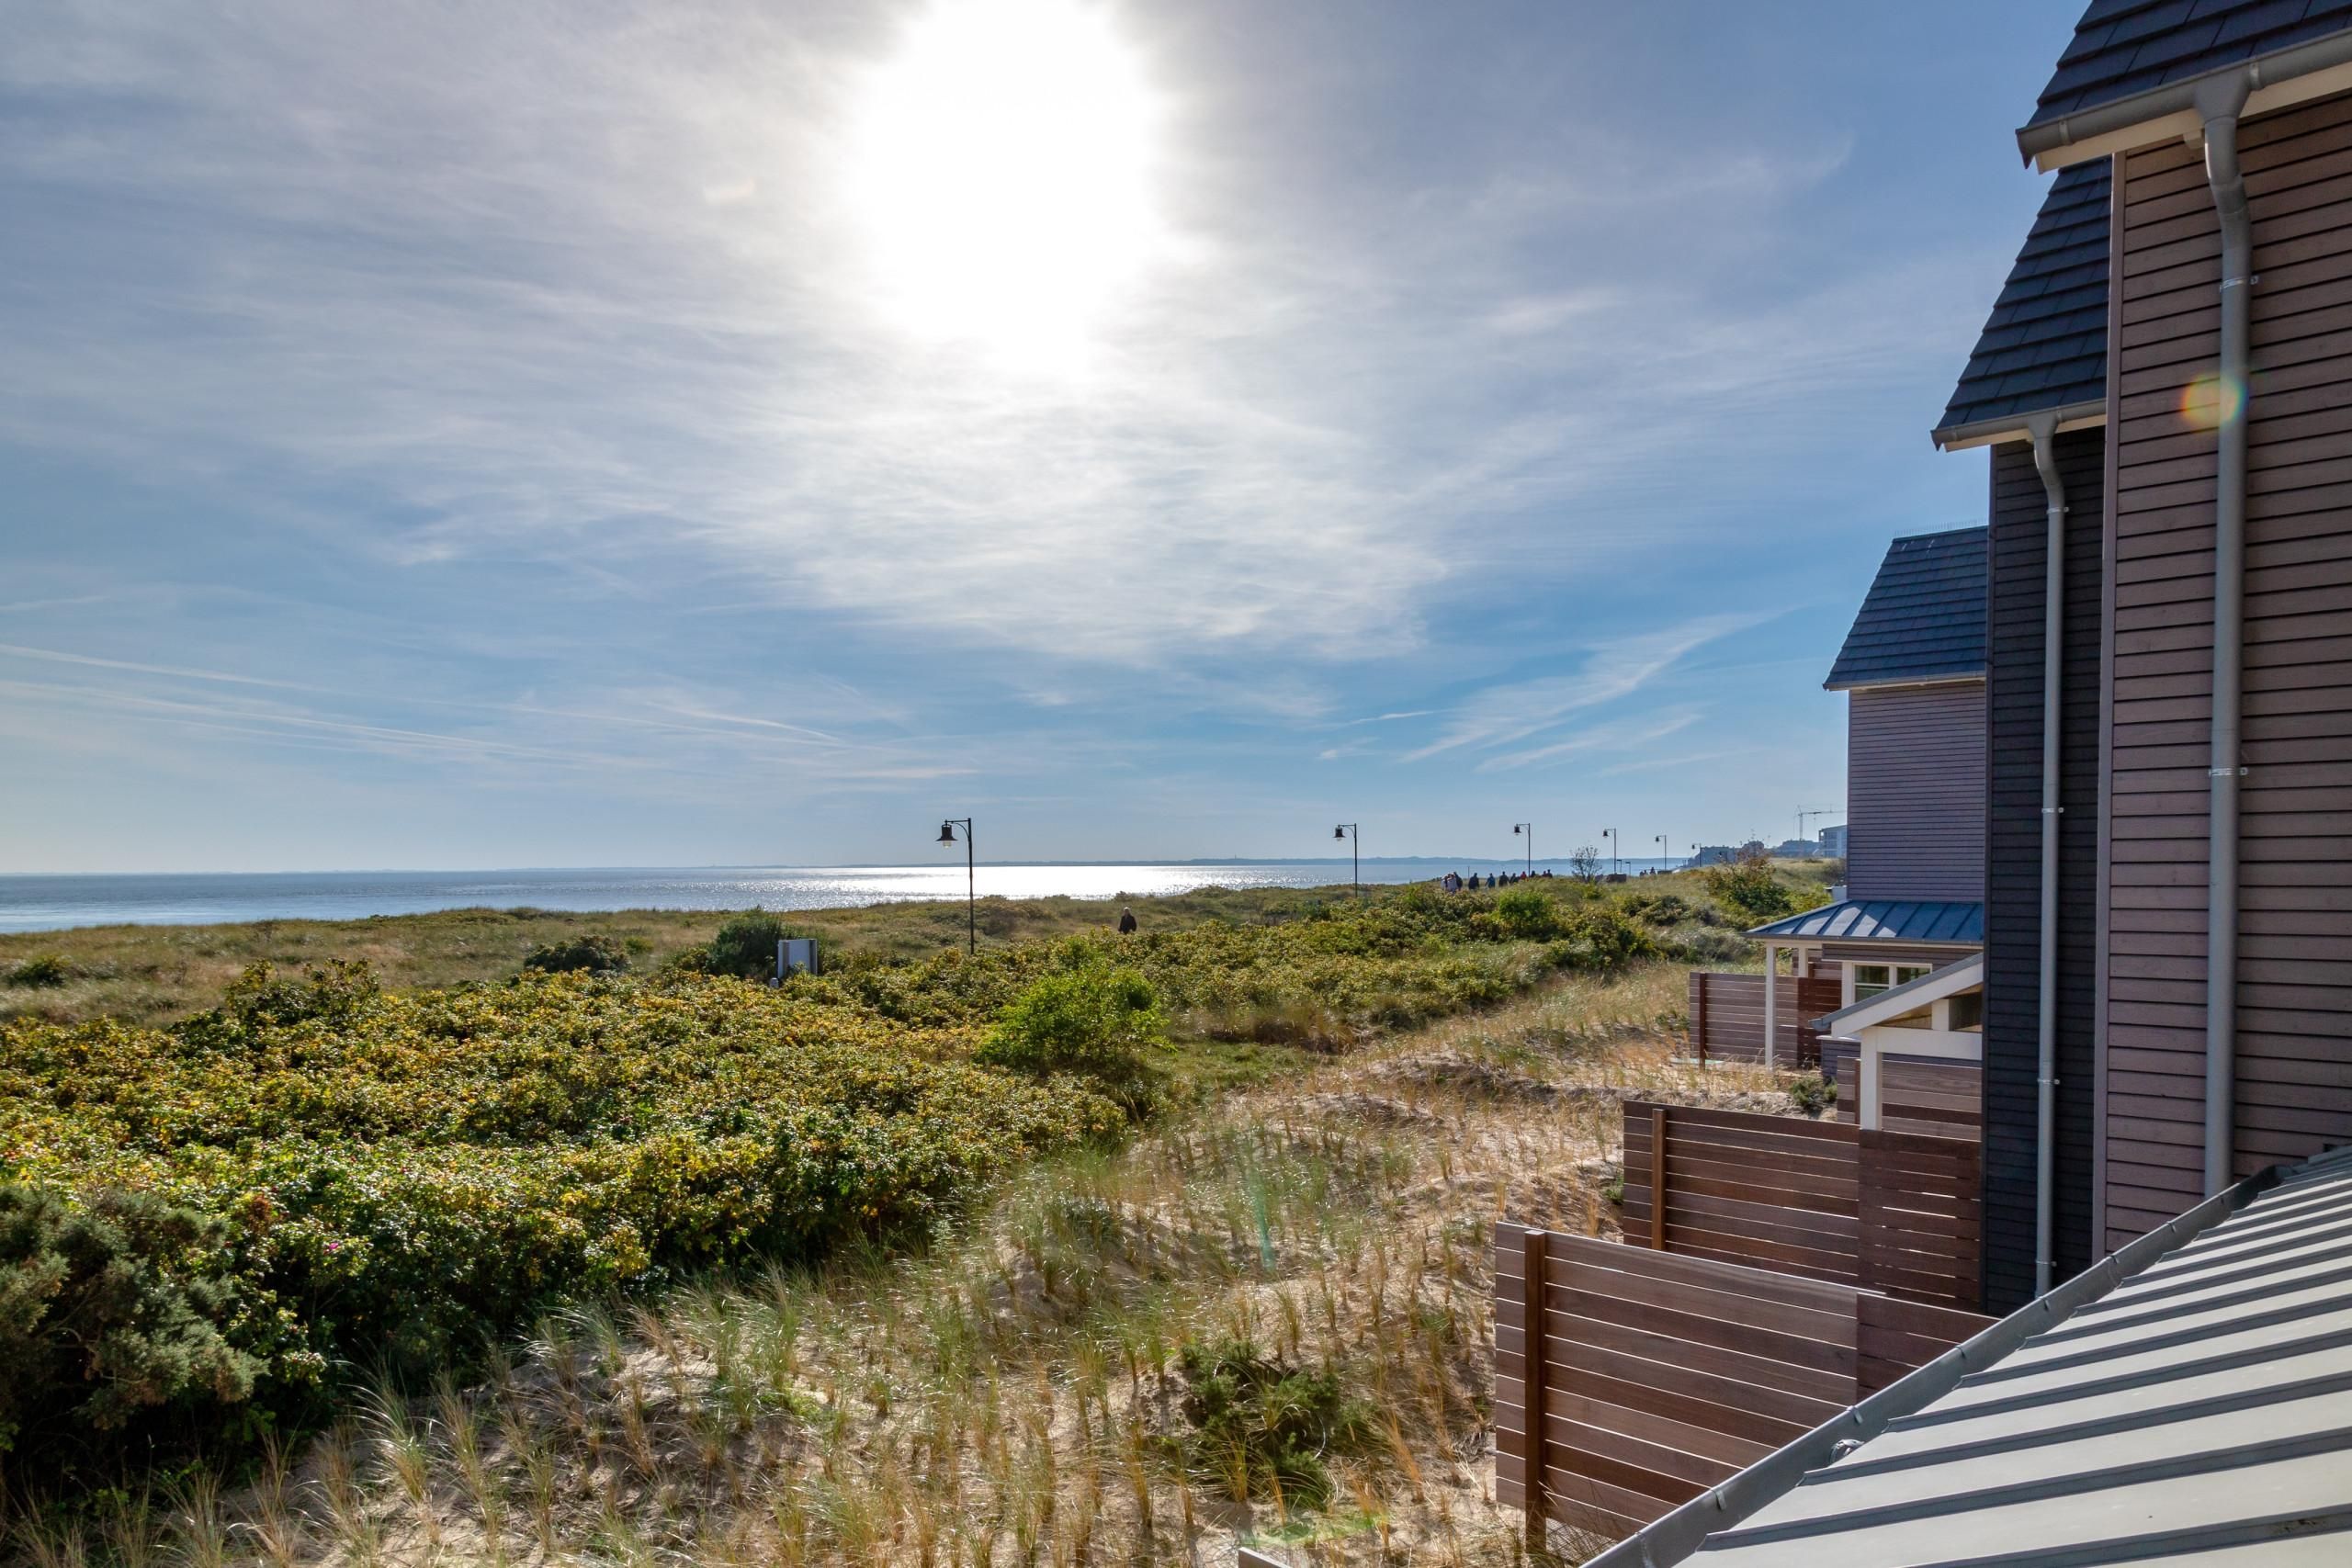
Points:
(31, 903)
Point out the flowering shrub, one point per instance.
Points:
(397, 1176)
(318, 1177)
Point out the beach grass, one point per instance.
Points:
(149, 973)
(1018, 1390)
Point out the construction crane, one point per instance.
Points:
(1804, 816)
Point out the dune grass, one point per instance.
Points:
(147, 974)
(1015, 1392)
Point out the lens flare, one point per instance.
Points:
(2209, 401)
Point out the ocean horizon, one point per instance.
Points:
(65, 900)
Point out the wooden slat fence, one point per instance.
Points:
(1766, 1191)
(1922, 1217)
(1628, 1381)
(1727, 1017)
(1928, 1095)
(1891, 1211)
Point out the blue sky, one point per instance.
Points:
(446, 437)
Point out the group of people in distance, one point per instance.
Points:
(1454, 882)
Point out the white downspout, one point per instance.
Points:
(2043, 428)
(2219, 104)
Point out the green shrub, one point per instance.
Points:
(1602, 938)
(745, 945)
(1527, 914)
(1813, 1093)
(1703, 945)
(404, 1174)
(1091, 1020)
(1658, 908)
(1749, 888)
(108, 1310)
(1263, 1427)
(579, 956)
(43, 970)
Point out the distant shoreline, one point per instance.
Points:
(67, 901)
(778, 867)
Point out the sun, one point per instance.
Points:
(1000, 167)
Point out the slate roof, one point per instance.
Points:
(2186, 1400)
(2044, 346)
(1923, 616)
(2122, 48)
(1883, 919)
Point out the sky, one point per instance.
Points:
(589, 433)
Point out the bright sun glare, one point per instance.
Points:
(1001, 168)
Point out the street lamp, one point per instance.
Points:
(1356, 852)
(1527, 828)
(1664, 854)
(971, 896)
(1616, 851)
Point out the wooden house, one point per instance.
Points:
(2165, 386)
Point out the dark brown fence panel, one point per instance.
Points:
(1888, 1211)
(1659, 1376)
(1930, 1095)
(1895, 1338)
(1727, 1017)
(1775, 1192)
(1628, 1381)
(1922, 1217)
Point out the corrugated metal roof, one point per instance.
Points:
(1887, 919)
(2122, 48)
(1923, 616)
(2044, 346)
(2197, 1411)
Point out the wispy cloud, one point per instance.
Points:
(593, 291)
(1620, 734)
(1500, 715)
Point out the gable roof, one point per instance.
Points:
(1883, 919)
(2183, 1401)
(1963, 975)
(1923, 616)
(2127, 50)
(2122, 48)
(2044, 346)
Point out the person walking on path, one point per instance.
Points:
(1126, 922)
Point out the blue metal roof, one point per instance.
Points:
(2124, 48)
(1923, 616)
(2044, 346)
(1883, 919)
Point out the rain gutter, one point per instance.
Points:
(2276, 80)
(2220, 101)
(2044, 429)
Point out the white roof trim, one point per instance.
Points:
(1932, 986)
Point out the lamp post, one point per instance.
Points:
(1664, 854)
(1616, 851)
(971, 895)
(1356, 852)
(1527, 828)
